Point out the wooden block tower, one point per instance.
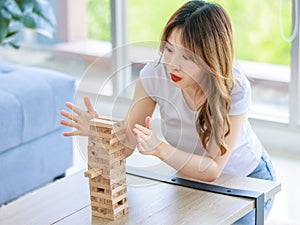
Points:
(106, 168)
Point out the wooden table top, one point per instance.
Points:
(67, 201)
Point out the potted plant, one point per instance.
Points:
(18, 15)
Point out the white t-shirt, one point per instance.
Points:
(178, 120)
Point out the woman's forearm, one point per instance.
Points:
(195, 166)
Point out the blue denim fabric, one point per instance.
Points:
(265, 171)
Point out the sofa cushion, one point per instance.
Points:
(10, 120)
(30, 101)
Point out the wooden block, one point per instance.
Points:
(112, 214)
(120, 122)
(116, 208)
(94, 187)
(125, 211)
(92, 173)
(108, 131)
(95, 161)
(111, 124)
(105, 135)
(107, 204)
(94, 136)
(101, 201)
(102, 212)
(120, 208)
(94, 156)
(107, 168)
(101, 163)
(115, 178)
(105, 186)
(102, 205)
(118, 196)
(108, 148)
(100, 122)
(103, 182)
(94, 151)
(113, 174)
(107, 141)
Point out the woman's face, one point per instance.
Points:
(183, 71)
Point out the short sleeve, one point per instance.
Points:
(241, 95)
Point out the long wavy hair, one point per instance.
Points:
(206, 31)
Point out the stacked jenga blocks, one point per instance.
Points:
(106, 168)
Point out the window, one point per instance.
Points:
(98, 20)
(264, 34)
(261, 33)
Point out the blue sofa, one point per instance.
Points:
(33, 151)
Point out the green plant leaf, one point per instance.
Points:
(11, 34)
(5, 14)
(11, 39)
(25, 5)
(29, 21)
(17, 14)
(14, 45)
(3, 29)
(41, 8)
(13, 8)
(11, 44)
(38, 24)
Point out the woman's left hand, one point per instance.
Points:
(147, 140)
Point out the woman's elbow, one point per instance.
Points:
(210, 178)
(212, 175)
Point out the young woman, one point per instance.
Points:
(203, 102)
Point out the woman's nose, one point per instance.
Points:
(175, 63)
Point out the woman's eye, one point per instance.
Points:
(185, 57)
(168, 49)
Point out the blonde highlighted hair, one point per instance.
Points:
(206, 31)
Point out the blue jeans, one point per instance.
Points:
(265, 171)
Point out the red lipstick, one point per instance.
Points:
(175, 78)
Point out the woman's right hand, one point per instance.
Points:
(78, 118)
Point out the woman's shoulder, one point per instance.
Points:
(241, 93)
(241, 81)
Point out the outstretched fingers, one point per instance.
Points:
(73, 108)
(88, 104)
(69, 123)
(69, 115)
(78, 118)
(71, 133)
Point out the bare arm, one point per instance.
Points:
(142, 106)
(206, 168)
